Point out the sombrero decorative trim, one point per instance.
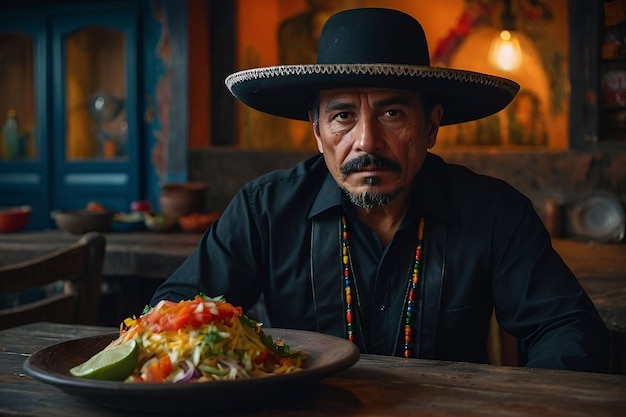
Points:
(372, 69)
(287, 90)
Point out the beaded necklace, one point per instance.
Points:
(415, 276)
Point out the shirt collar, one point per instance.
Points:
(328, 196)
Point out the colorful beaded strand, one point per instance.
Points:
(417, 266)
(345, 259)
(415, 277)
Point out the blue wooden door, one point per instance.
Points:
(25, 163)
(96, 151)
(81, 77)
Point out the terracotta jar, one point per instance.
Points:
(181, 198)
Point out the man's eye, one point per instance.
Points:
(393, 112)
(342, 115)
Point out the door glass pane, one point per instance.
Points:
(17, 98)
(96, 125)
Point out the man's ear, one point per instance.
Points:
(316, 133)
(433, 125)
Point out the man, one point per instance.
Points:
(376, 239)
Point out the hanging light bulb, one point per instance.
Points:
(505, 52)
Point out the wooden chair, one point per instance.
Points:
(75, 269)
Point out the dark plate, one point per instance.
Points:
(326, 356)
(599, 217)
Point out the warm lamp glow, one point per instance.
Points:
(505, 52)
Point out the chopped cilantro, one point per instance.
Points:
(213, 336)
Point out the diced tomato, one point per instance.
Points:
(268, 360)
(168, 315)
(228, 310)
(262, 356)
(268, 355)
(159, 370)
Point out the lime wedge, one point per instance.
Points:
(113, 364)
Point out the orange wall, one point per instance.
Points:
(199, 74)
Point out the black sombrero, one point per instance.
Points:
(371, 47)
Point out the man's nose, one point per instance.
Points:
(368, 138)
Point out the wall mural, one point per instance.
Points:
(275, 32)
(169, 123)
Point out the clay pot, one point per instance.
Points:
(181, 198)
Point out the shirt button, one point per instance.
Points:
(382, 307)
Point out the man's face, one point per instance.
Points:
(374, 141)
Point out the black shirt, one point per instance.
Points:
(485, 247)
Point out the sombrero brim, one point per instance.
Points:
(287, 90)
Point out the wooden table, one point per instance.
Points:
(151, 257)
(129, 254)
(601, 269)
(375, 386)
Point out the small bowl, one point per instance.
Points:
(197, 222)
(128, 222)
(14, 219)
(159, 222)
(79, 222)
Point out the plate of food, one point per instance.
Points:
(194, 355)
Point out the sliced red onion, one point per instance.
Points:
(188, 372)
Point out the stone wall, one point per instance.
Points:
(226, 170)
(564, 176)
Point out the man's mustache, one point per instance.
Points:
(366, 161)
